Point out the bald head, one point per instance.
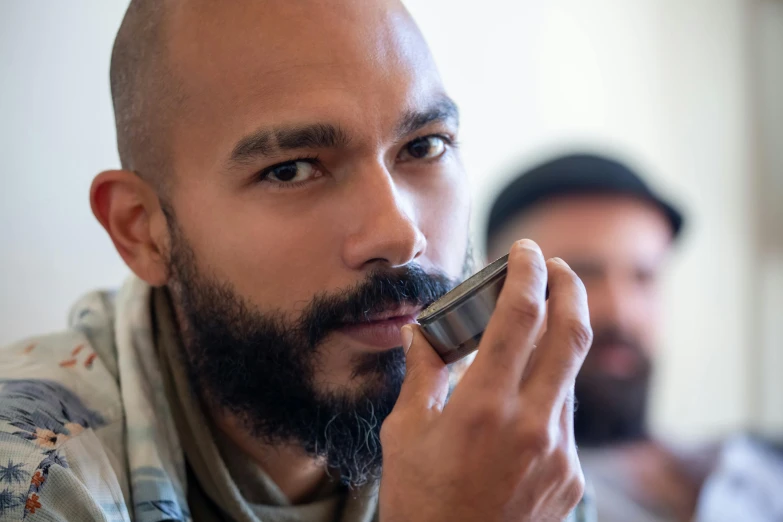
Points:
(144, 90)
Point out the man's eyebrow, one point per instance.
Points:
(266, 142)
(444, 110)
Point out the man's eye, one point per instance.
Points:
(291, 172)
(426, 148)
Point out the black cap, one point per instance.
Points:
(575, 174)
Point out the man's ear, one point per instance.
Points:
(129, 209)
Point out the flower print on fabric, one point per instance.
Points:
(47, 414)
(32, 501)
(44, 412)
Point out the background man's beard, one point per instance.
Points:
(611, 410)
(261, 367)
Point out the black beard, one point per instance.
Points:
(261, 367)
(610, 410)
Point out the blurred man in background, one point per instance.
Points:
(617, 234)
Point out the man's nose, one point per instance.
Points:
(383, 227)
(611, 302)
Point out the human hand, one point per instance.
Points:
(503, 447)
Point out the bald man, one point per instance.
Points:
(290, 198)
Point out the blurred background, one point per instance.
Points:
(687, 90)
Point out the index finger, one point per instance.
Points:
(509, 338)
(568, 338)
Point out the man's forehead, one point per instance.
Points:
(595, 211)
(270, 40)
(249, 63)
(597, 226)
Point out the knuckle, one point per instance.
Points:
(560, 465)
(391, 427)
(526, 308)
(412, 372)
(574, 490)
(580, 333)
(540, 441)
(487, 417)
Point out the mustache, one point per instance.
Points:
(611, 335)
(381, 291)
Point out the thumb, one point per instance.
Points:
(426, 383)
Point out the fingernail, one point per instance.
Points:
(560, 261)
(407, 338)
(529, 244)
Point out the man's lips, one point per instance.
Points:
(381, 330)
(617, 360)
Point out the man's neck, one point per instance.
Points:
(298, 475)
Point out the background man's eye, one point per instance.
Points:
(429, 147)
(291, 172)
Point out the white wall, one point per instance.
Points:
(56, 133)
(663, 82)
